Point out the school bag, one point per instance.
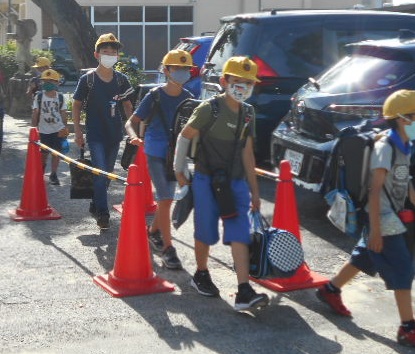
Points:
(90, 80)
(349, 165)
(185, 110)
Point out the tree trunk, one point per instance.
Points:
(75, 28)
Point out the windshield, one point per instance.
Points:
(363, 73)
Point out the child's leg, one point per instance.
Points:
(45, 156)
(404, 302)
(55, 163)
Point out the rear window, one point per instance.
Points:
(300, 46)
(363, 73)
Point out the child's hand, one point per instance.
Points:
(375, 242)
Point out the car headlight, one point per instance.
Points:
(363, 111)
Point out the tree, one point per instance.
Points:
(74, 27)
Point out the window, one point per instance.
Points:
(146, 32)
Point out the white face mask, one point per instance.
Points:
(108, 61)
(410, 131)
(240, 91)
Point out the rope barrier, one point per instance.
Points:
(266, 174)
(112, 176)
(80, 165)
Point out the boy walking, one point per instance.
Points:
(49, 115)
(225, 162)
(383, 248)
(103, 93)
(158, 109)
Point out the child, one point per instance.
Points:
(176, 67)
(226, 146)
(42, 64)
(384, 249)
(103, 102)
(49, 115)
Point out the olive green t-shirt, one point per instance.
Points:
(217, 144)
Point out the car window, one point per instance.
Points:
(363, 73)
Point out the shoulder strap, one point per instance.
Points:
(60, 97)
(39, 99)
(392, 163)
(214, 106)
(155, 95)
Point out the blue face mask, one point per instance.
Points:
(410, 131)
(180, 76)
(48, 86)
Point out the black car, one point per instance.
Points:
(289, 47)
(63, 62)
(350, 93)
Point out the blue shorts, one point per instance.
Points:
(394, 263)
(52, 140)
(164, 189)
(206, 212)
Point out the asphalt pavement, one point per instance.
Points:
(49, 303)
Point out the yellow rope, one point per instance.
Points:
(81, 165)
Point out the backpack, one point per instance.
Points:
(185, 110)
(40, 96)
(90, 80)
(349, 173)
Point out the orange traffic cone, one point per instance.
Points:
(133, 273)
(144, 175)
(34, 201)
(286, 218)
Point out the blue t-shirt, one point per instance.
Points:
(100, 124)
(156, 138)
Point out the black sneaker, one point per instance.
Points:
(103, 221)
(203, 283)
(170, 259)
(53, 179)
(248, 300)
(156, 241)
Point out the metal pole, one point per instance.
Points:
(259, 5)
(9, 23)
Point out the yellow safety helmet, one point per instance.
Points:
(50, 74)
(178, 57)
(41, 62)
(400, 102)
(107, 38)
(241, 67)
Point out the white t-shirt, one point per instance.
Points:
(50, 120)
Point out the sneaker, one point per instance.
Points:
(249, 300)
(203, 283)
(170, 259)
(156, 240)
(334, 300)
(406, 338)
(53, 179)
(103, 221)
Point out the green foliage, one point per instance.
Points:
(135, 76)
(8, 63)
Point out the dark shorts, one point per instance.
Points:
(394, 264)
(52, 140)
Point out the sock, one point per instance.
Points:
(332, 289)
(243, 287)
(408, 325)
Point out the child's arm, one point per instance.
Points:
(35, 117)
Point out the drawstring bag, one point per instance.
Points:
(128, 155)
(273, 253)
(81, 180)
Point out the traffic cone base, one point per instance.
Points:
(304, 278)
(46, 214)
(117, 287)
